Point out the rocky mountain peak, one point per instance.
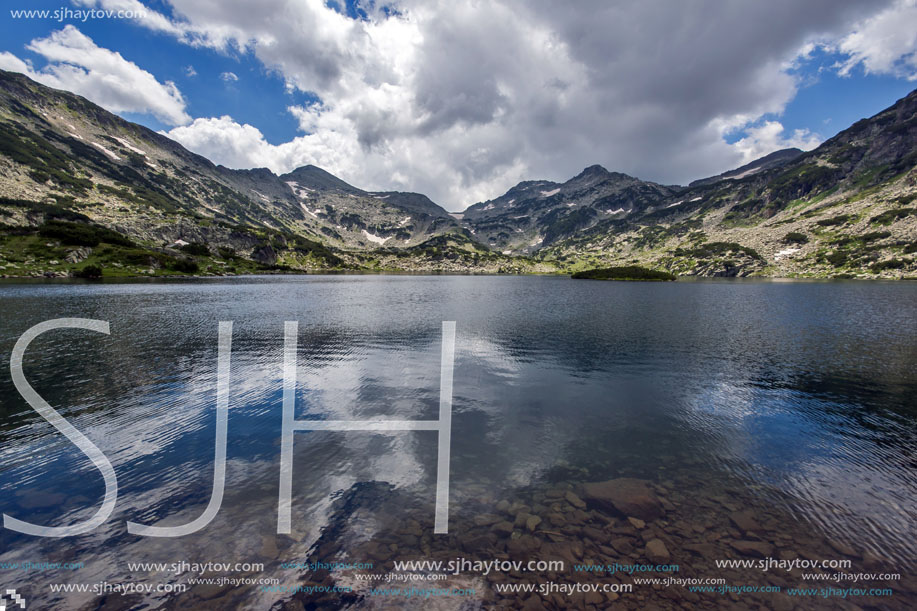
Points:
(593, 170)
(316, 178)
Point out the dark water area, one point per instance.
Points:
(744, 420)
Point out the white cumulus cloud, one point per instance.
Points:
(227, 142)
(886, 43)
(77, 64)
(769, 137)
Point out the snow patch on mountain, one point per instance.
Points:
(298, 191)
(785, 253)
(374, 238)
(106, 151)
(130, 146)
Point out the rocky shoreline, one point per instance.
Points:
(628, 521)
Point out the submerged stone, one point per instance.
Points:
(627, 496)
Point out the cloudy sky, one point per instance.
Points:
(462, 99)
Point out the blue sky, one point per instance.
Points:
(827, 103)
(462, 100)
(259, 98)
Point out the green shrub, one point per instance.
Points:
(801, 180)
(890, 216)
(70, 233)
(39, 176)
(875, 235)
(196, 248)
(50, 211)
(889, 264)
(81, 234)
(837, 259)
(834, 220)
(630, 272)
(89, 272)
(143, 257)
(185, 266)
(713, 249)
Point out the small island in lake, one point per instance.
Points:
(629, 272)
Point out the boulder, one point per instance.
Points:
(656, 551)
(627, 496)
(523, 546)
(79, 254)
(486, 519)
(745, 521)
(595, 534)
(623, 545)
(503, 528)
(479, 543)
(574, 500)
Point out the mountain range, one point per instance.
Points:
(82, 188)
